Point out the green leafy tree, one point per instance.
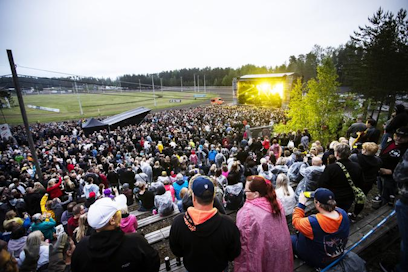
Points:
(319, 108)
(322, 103)
(297, 114)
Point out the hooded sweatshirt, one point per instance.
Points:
(199, 236)
(114, 251)
(128, 224)
(178, 185)
(16, 246)
(370, 166)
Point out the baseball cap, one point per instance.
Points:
(402, 131)
(92, 194)
(323, 195)
(101, 212)
(201, 185)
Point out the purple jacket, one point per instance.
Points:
(265, 239)
(129, 224)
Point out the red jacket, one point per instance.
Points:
(55, 190)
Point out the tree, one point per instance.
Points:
(381, 56)
(322, 103)
(296, 113)
(319, 108)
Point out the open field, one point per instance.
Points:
(95, 105)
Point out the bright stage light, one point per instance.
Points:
(278, 89)
(266, 88)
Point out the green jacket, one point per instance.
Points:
(47, 228)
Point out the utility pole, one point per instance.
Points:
(205, 91)
(181, 84)
(154, 96)
(194, 84)
(79, 99)
(198, 83)
(140, 86)
(24, 115)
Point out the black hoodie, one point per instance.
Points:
(114, 251)
(209, 247)
(370, 166)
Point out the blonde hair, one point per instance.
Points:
(80, 231)
(370, 148)
(51, 182)
(283, 181)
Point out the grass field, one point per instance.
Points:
(94, 105)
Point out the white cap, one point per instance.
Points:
(101, 212)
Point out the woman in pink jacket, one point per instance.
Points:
(265, 238)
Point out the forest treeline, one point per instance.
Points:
(374, 62)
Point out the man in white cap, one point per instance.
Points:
(109, 249)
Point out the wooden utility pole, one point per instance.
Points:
(24, 115)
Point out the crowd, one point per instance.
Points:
(201, 161)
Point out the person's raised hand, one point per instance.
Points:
(302, 198)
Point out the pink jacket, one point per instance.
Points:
(265, 239)
(129, 224)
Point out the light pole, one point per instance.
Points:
(194, 84)
(198, 83)
(154, 96)
(140, 86)
(205, 91)
(181, 84)
(161, 84)
(79, 99)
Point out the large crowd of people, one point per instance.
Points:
(201, 161)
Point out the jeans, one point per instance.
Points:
(402, 217)
(384, 140)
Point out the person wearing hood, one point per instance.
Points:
(109, 249)
(370, 165)
(263, 250)
(17, 241)
(179, 184)
(233, 193)
(204, 238)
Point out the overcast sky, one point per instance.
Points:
(111, 38)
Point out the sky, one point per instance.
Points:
(108, 38)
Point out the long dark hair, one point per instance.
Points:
(265, 189)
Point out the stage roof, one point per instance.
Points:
(266, 76)
(125, 115)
